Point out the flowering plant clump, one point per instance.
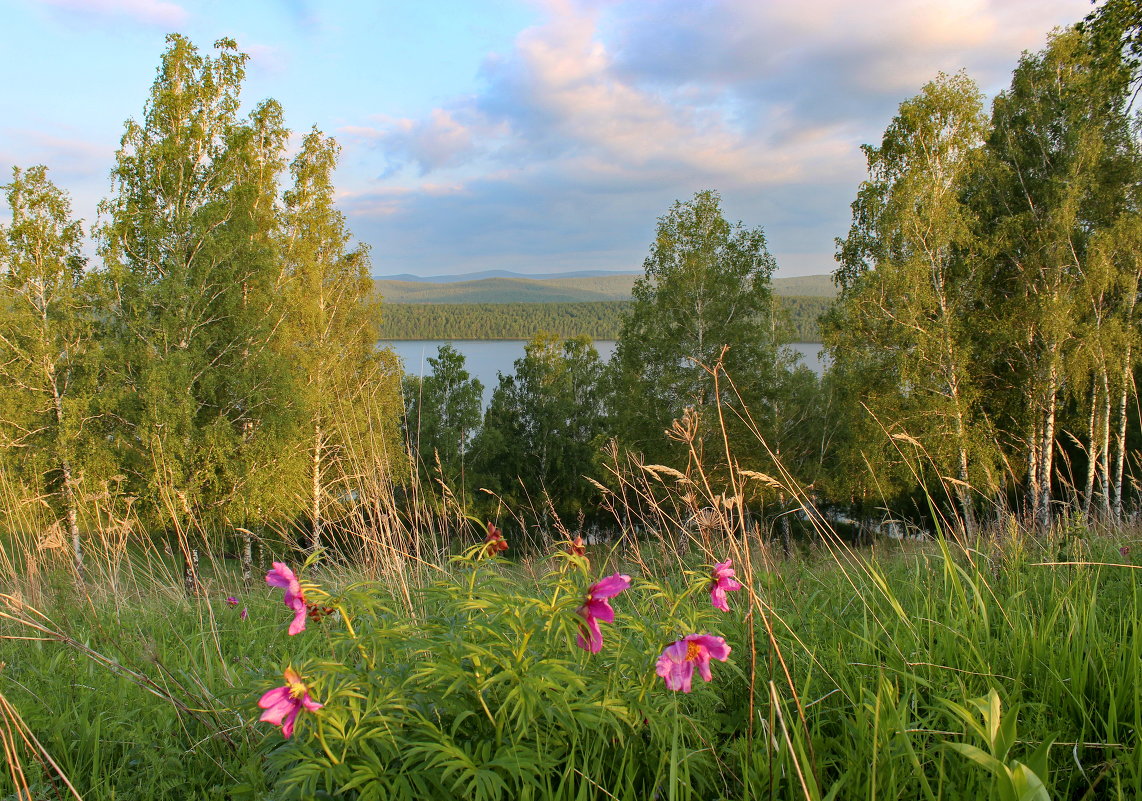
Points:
(494, 543)
(596, 607)
(282, 576)
(678, 660)
(473, 687)
(723, 581)
(284, 704)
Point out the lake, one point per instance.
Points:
(485, 358)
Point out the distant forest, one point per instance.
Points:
(599, 320)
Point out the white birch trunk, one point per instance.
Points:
(1047, 452)
(316, 511)
(1120, 456)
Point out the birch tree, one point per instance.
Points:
(1057, 159)
(906, 282)
(49, 356)
(349, 391)
(190, 254)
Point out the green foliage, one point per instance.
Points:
(188, 254)
(593, 289)
(543, 428)
(50, 366)
(1014, 780)
(350, 392)
(240, 325)
(483, 694)
(901, 336)
(472, 687)
(704, 301)
(442, 414)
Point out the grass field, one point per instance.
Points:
(852, 675)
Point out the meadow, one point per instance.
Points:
(1004, 668)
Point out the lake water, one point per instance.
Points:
(485, 358)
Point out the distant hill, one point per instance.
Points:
(602, 286)
(508, 290)
(449, 279)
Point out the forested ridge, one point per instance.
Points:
(599, 320)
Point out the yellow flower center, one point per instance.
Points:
(691, 651)
(296, 690)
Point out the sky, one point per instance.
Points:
(529, 135)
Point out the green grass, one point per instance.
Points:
(463, 689)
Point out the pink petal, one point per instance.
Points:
(703, 663)
(287, 724)
(598, 608)
(277, 711)
(725, 568)
(309, 703)
(716, 647)
(298, 624)
(594, 640)
(272, 697)
(281, 576)
(718, 598)
(674, 669)
(610, 586)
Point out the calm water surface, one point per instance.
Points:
(485, 359)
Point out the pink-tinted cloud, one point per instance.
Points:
(607, 110)
(160, 13)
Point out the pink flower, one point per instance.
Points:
(596, 607)
(723, 580)
(282, 704)
(676, 665)
(231, 601)
(245, 614)
(1124, 550)
(282, 576)
(494, 543)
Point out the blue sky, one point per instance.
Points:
(537, 135)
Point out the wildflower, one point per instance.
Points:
(245, 613)
(494, 542)
(723, 580)
(577, 546)
(283, 704)
(676, 665)
(596, 607)
(282, 576)
(231, 601)
(1125, 551)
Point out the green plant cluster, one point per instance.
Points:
(472, 686)
(480, 692)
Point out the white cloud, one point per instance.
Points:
(149, 12)
(608, 110)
